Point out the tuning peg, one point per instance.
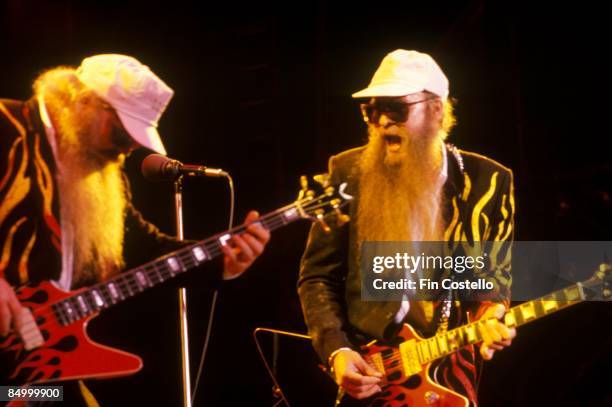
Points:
(322, 179)
(320, 217)
(604, 270)
(304, 192)
(341, 218)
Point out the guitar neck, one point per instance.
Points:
(149, 275)
(447, 343)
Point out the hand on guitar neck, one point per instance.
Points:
(243, 248)
(495, 334)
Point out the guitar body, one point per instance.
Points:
(416, 390)
(67, 352)
(50, 344)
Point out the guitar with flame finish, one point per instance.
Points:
(407, 361)
(52, 343)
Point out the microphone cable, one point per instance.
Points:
(213, 303)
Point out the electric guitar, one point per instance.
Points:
(406, 361)
(52, 343)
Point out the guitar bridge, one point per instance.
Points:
(378, 363)
(28, 330)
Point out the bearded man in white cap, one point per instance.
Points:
(65, 210)
(408, 185)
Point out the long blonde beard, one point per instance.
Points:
(400, 202)
(92, 201)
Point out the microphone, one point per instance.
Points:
(156, 167)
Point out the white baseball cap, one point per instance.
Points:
(403, 72)
(138, 96)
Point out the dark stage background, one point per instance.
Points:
(263, 91)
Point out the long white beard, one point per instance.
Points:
(92, 204)
(401, 202)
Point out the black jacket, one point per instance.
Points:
(479, 194)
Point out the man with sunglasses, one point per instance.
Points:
(409, 185)
(65, 206)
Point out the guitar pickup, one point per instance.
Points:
(410, 357)
(28, 330)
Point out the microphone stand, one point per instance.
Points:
(182, 297)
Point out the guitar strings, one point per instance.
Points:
(454, 333)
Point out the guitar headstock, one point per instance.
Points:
(600, 285)
(320, 200)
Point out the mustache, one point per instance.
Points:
(378, 131)
(121, 139)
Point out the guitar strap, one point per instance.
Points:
(447, 302)
(445, 310)
(446, 306)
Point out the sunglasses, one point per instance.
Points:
(397, 112)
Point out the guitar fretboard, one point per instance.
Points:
(444, 344)
(138, 280)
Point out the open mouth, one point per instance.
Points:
(393, 142)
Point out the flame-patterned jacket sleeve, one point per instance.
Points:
(15, 185)
(499, 238)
